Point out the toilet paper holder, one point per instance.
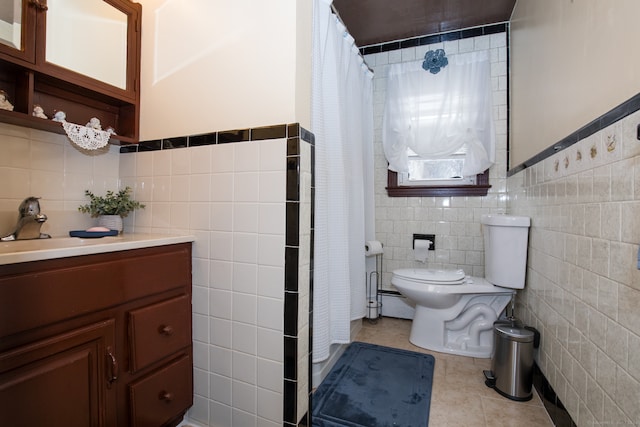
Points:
(430, 237)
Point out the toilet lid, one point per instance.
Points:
(448, 277)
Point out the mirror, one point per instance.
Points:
(11, 23)
(88, 37)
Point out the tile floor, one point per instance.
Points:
(459, 397)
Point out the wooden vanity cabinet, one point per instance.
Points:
(97, 340)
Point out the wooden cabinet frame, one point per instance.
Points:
(29, 79)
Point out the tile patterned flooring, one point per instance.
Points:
(460, 397)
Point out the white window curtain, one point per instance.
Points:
(342, 122)
(436, 115)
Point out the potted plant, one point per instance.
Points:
(111, 208)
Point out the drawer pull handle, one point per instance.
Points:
(166, 330)
(166, 396)
(112, 365)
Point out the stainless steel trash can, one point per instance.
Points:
(511, 372)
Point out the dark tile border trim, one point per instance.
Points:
(153, 145)
(556, 410)
(628, 107)
(435, 38)
(223, 137)
(293, 258)
(291, 279)
(179, 142)
(308, 418)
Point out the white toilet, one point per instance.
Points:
(454, 312)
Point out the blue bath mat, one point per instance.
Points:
(375, 386)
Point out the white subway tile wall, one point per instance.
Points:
(232, 198)
(454, 220)
(48, 165)
(583, 285)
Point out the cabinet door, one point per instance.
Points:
(61, 381)
(17, 29)
(91, 38)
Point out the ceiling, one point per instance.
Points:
(379, 21)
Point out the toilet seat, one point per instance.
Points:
(431, 276)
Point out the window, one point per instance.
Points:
(436, 178)
(438, 132)
(445, 171)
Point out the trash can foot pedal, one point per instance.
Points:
(490, 379)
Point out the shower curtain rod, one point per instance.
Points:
(337, 14)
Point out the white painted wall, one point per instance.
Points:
(571, 61)
(224, 64)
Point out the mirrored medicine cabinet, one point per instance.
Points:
(77, 56)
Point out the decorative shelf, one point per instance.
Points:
(22, 119)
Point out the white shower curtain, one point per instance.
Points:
(342, 122)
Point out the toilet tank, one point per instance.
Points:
(506, 238)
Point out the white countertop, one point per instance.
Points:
(62, 247)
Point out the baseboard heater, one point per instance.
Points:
(396, 305)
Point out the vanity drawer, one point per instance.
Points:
(158, 330)
(160, 397)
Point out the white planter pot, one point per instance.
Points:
(112, 222)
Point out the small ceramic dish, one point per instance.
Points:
(92, 234)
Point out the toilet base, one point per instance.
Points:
(479, 352)
(469, 333)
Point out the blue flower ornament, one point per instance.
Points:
(434, 61)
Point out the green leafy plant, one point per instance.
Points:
(119, 203)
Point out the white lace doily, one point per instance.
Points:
(87, 138)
